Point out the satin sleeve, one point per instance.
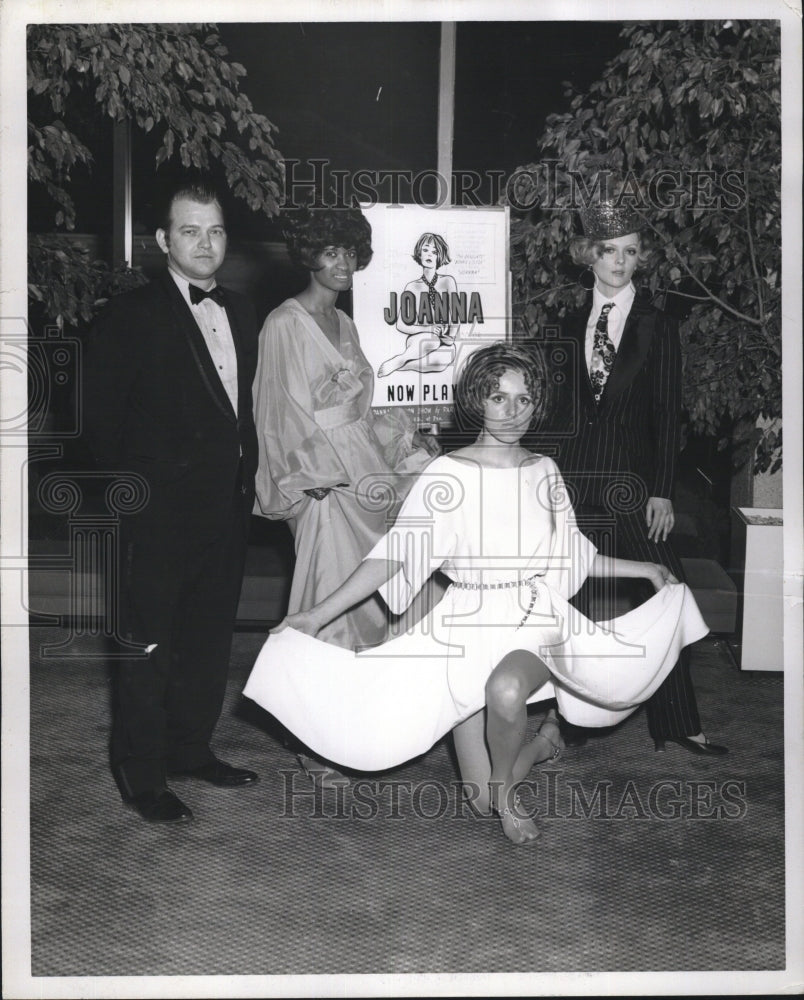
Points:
(395, 430)
(424, 536)
(571, 552)
(294, 452)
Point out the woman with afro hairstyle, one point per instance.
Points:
(327, 466)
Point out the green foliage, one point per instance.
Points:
(691, 111)
(67, 282)
(167, 76)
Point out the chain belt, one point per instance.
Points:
(529, 581)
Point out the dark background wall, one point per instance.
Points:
(365, 97)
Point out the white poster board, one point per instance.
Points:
(419, 320)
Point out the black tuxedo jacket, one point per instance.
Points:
(153, 402)
(635, 429)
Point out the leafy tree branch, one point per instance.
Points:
(170, 76)
(690, 112)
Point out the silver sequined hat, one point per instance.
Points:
(611, 214)
(605, 220)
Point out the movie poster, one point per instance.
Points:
(436, 289)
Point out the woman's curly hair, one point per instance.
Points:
(481, 373)
(585, 251)
(308, 231)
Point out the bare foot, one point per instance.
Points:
(518, 827)
(546, 745)
(550, 731)
(388, 367)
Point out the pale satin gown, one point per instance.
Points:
(315, 426)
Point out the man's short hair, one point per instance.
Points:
(201, 191)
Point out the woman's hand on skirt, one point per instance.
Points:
(427, 443)
(659, 575)
(302, 621)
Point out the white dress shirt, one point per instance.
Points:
(622, 302)
(214, 325)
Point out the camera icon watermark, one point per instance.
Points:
(43, 378)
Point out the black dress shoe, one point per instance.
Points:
(220, 774)
(573, 736)
(161, 806)
(692, 746)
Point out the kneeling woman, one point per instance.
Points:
(496, 520)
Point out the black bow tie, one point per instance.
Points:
(198, 295)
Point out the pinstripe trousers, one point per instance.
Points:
(617, 454)
(672, 711)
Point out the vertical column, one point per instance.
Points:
(446, 102)
(122, 245)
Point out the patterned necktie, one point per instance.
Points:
(603, 352)
(431, 292)
(198, 295)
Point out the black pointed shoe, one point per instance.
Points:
(573, 736)
(706, 748)
(160, 805)
(216, 772)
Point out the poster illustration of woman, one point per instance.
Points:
(424, 315)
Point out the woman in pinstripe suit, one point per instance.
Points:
(619, 435)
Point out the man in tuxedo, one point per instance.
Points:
(619, 433)
(167, 394)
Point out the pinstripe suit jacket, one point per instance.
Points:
(632, 435)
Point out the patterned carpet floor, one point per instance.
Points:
(647, 861)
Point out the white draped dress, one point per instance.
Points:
(507, 539)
